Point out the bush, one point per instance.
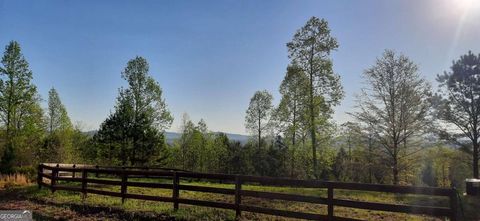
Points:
(29, 171)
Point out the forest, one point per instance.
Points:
(403, 132)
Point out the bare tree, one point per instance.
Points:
(396, 106)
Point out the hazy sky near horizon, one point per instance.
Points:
(211, 56)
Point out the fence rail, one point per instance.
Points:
(51, 172)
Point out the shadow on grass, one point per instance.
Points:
(94, 212)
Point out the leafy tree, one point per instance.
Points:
(310, 48)
(18, 103)
(278, 157)
(291, 112)
(339, 165)
(113, 139)
(460, 104)
(219, 154)
(205, 150)
(187, 144)
(258, 114)
(57, 146)
(51, 150)
(134, 132)
(57, 113)
(396, 106)
(291, 108)
(428, 175)
(448, 167)
(240, 158)
(82, 148)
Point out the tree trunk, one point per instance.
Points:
(395, 171)
(475, 158)
(259, 132)
(370, 159)
(312, 129)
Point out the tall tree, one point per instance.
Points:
(113, 139)
(310, 48)
(339, 168)
(18, 100)
(396, 106)
(258, 114)
(57, 113)
(460, 103)
(291, 109)
(290, 115)
(141, 116)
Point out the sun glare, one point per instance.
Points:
(468, 5)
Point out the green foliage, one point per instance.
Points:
(7, 160)
(258, 115)
(58, 119)
(428, 176)
(340, 164)
(448, 166)
(133, 134)
(395, 106)
(57, 146)
(20, 113)
(458, 105)
(291, 113)
(310, 49)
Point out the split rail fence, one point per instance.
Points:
(80, 174)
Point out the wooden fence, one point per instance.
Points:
(80, 175)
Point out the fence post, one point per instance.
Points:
(330, 201)
(124, 185)
(453, 204)
(176, 191)
(96, 174)
(84, 184)
(73, 173)
(238, 199)
(53, 181)
(40, 176)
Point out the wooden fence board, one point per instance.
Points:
(392, 188)
(207, 189)
(276, 212)
(52, 172)
(436, 211)
(284, 196)
(151, 198)
(150, 185)
(207, 203)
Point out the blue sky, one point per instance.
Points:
(211, 56)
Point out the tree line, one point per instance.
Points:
(402, 131)
(400, 126)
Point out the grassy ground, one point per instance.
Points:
(63, 205)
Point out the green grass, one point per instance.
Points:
(187, 212)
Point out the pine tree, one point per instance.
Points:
(133, 133)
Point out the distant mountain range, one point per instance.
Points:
(172, 136)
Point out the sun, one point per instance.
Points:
(467, 5)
